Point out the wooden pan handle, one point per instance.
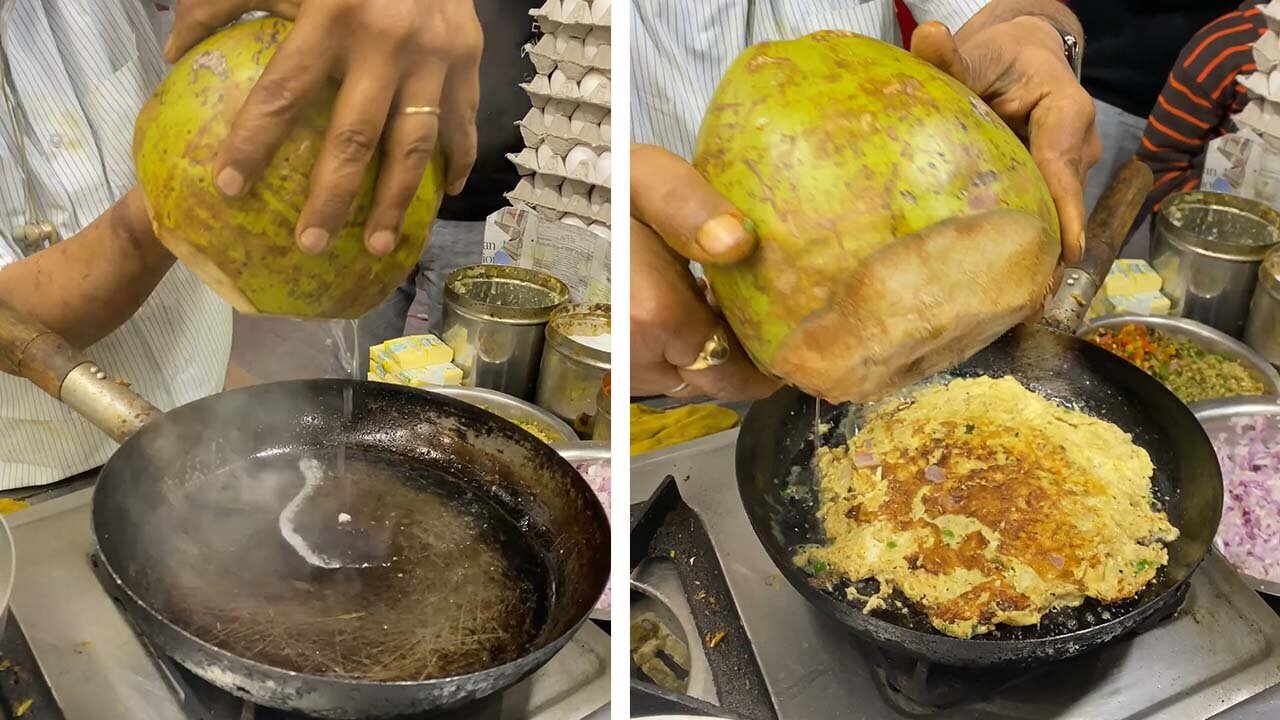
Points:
(1112, 217)
(1105, 232)
(30, 350)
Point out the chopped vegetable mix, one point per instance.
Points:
(1188, 370)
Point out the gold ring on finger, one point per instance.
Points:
(421, 110)
(714, 352)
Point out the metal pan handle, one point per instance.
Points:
(1105, 232)
(30, 350)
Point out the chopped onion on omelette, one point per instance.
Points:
(985, 503)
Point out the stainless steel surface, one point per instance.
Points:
(8, 570)
(1221, 648)
(589, 451)
(494, 318)
(1207, 246)
(1206, 337)
(511, 408)
(658, 582)
(106, 402)
(1262, 328)
(571, 372)
(1216, 417)
(98, 668)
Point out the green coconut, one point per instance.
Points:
(902, 225)
(244, 247)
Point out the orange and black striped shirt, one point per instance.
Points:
(1198, 100)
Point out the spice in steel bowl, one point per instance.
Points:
(1191, 372)
(1249, 532)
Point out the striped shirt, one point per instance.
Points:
(1199, 98)
(680, 49)
(81, 70)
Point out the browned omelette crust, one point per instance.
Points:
(1043, 510)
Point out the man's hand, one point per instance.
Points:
(677, 217)
(391, 55)
(1019, 67)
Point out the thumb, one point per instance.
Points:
(933, 43)
(670, 196)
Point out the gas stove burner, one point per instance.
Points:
(1213, 645)
(921, 688)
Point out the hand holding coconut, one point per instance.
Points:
(899, 226)
(409, 74)
(670, 319)
(250, 150)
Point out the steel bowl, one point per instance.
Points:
(512, 408)
(1207, 338)
(1216, 417)
(583, 452)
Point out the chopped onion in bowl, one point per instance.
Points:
(1249, 534)
(598, 476)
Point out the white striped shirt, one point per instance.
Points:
(681, 48)
(81, 70)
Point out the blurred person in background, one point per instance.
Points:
(1133, 44)
(1201, 94)
(77, 250)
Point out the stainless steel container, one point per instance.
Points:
(1217, 416)
(1205, 337)
(495, 318)
(541, 423)
(601, 425)
(1207, 247)
(572, 369)
(1262, 329)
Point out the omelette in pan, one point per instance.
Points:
(984, 503)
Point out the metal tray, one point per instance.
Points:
(1215, 416)
(1206, 337)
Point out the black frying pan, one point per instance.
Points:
(499, 548)
(778, 485)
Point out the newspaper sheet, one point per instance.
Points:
(575, 255)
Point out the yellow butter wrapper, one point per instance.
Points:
(416, 351)
(385, 363)
(1149, 303)
(1132, 277)
(437, 375)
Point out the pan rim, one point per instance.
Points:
(556, 641)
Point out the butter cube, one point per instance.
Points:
(416, 351)
(437, 375)
(1147, 303)
(1132, 277)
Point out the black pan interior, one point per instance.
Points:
(193, 500)
(778, 488)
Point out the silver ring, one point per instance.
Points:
(678, 389)
(714, 352)
(421, 110)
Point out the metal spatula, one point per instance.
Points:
(326, 529)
